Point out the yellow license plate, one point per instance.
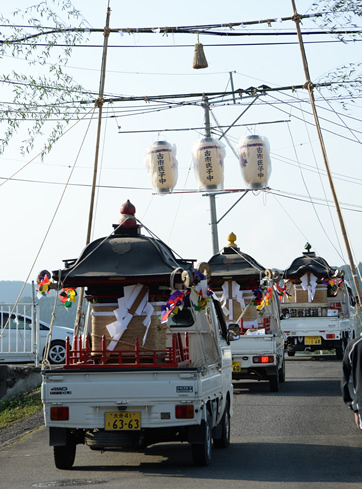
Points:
(236, 366)
(312, 340)
(130, 421)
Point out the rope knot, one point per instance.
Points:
(308, 85)
(297, 18)
(99, 102)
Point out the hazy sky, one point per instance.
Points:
(274, 226)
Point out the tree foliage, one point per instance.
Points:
(41, 94)
(337, 15)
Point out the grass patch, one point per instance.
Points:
(19, 407)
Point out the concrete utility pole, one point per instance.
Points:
(213, 218)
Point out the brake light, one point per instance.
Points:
(263, 359)
(59, 413)
(330, 336)
(185, 411)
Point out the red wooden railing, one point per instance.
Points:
(81, 355)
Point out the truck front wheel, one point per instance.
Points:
(201, 452)
(64, 456)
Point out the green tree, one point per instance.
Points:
(41, 94)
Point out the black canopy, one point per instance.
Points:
(309, 262)
(122, 258)
(232, 264)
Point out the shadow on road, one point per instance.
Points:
(272, 462)
(306, 387)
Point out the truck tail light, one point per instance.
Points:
(60, 413)
(263, 359)
(185, 411)
(330, 336)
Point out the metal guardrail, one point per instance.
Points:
(19, 333)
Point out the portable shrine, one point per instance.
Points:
(314, 287)
(127, 278)
(241, 283)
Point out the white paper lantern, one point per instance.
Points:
(161, 165)
(254, 160)
(208, 156)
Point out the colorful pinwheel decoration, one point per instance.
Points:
(282, 291)
(43, 284)
(172, 305)
(258, 297)
(334, 285)
(203, 296)
(67, 297)
(267, 296)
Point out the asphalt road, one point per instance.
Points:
(300, 438)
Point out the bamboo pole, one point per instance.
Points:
(99, 103)
(309, 86)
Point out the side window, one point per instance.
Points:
(220, 320)
(183, 319)
(3, 318)
(18, 322)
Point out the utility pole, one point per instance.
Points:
(213, 223)
(99, 103)
(309, 86)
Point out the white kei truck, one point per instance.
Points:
(256, 337)
(259, 355)
(319, 312)
(146, 369)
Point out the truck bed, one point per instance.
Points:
(90, 394)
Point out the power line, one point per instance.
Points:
(165, 30)
(301, 198)
(160, 46)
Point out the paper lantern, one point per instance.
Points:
(255, 161)
(162, 166)
(208, 156)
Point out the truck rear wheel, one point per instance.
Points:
(64, 456)
(201, 452)
(274, 382)
(224, 441)
(282, 372)
(340, 350)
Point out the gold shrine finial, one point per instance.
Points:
(231, 238)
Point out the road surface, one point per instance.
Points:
(300, 438)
